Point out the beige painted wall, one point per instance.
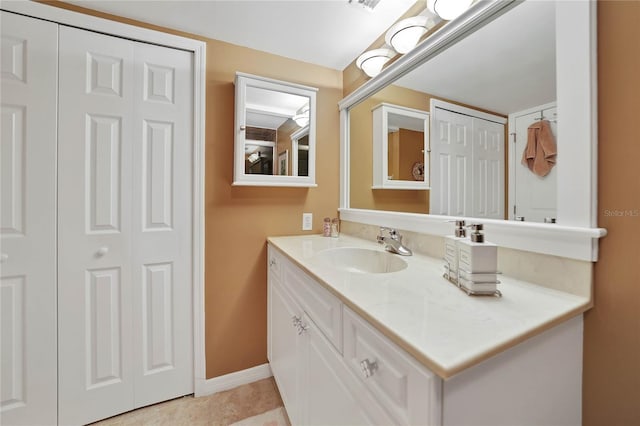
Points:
(238, 219)
(612, 328)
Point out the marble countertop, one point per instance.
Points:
(430, 318)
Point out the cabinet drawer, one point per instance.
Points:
(409, 392)
(323, 308)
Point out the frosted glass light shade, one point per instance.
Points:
(404, 35)
(372, 61)
(448, 9)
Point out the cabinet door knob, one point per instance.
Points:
(272, 262)
(368, 367)
(102, 251)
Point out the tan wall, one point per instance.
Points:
(612, 328)
(238, 219)
(361, 137)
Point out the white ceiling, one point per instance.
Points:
(331, 33)
(507, 66)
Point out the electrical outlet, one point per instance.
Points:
(307, 221)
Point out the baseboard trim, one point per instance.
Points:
(232, 380)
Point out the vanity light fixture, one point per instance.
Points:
(406, 34)
(372, 61)
(448, 9)
(302, 118)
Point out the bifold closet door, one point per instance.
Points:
(488, 169)
(28, 220)
(451, 153)
(124, 168)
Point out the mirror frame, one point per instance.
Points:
(240, 178)
(576, 234)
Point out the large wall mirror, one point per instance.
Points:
(493, 80)
(275, 132)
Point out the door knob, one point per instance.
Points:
(102, 251)
(368, 367)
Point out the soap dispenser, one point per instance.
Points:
(477, 259)
(451, 250)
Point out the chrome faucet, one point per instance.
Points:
(392, 242)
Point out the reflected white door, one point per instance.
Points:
(488, 169)
(451, 156)
(125, 225)
(535, 196)
(28, 221)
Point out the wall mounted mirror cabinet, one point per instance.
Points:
(275, 127)
(486, 78)
(400, 147)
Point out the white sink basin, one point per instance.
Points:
(361, 260)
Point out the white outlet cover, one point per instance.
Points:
(307, 221)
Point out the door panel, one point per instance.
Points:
(162, 188)
(94, 244)
(488, 169)
(451, 147)
(29, 75)
(535, 196)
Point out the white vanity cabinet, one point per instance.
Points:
(316, 386)
(333, 366)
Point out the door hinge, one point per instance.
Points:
(514, 209)
(514, 137)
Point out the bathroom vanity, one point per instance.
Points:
(357, 335)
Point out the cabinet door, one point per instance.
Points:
(330, 393)
(284, 347)
(28, 220)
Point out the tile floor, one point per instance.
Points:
(220, 409)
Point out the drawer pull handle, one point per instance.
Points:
(302, 327)
(296, 320)
(368, 368)
(298, 324)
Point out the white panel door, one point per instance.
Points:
(95, 229)
(451, 154)
(488, 169)
(162, 200)
(535, 196)
(28, 221)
